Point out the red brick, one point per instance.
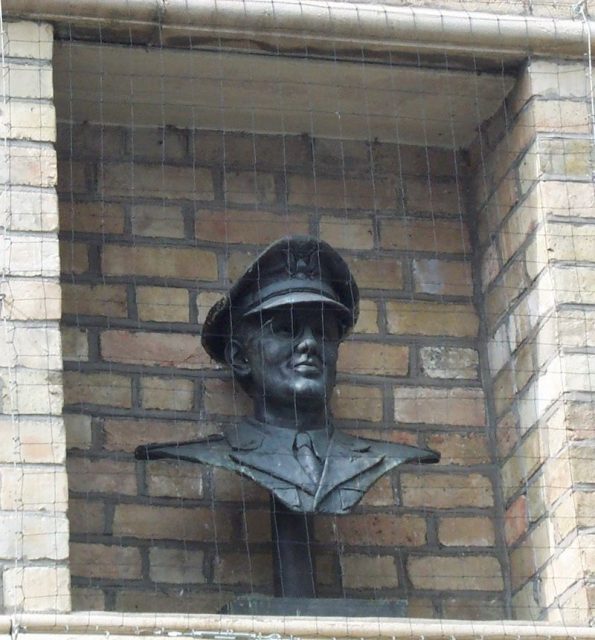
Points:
(373, 358)
(164, 262)
(182, 351)
(438, 236)
(254, 227)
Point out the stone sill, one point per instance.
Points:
(125, 626)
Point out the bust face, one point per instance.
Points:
(292, 353)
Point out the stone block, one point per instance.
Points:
(32, 347)
(453, 406)
(28, 39)
(30, 255)
(28, 488)
(29, 209)
(31, 299)
(33, 536)
(469, 573)
(159, 262)
(32, 440)
(162, 304)
(28, 120)
(236, 226)
(31, 391)
(37, 589)
(419, 318)
(29, 81)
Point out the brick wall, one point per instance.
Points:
(535, 197)
(154, 226)
(33, 489)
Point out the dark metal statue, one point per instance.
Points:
(279, 329)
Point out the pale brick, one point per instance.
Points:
(164, 262)
(353, 402)
(582, 462)
(101, 476)
(89, 140)
(95, 300)
(249, 187)
(585, 508)
(37, 588)
(74, 258)
(172, 393)
(167, 479)
(33, 488)
(431, 319)
(31, 299)
(490, 265)
(449, 362)
(340, 194)
(85, 516)
(147, 348)
(244, 568)
(229, 486)
(435, 197)
(368, 572)
(79, 433)
(367, 321)
(532, 554)
(125, 434)
(442, 277)
(466, 532)
(376, 273)
(204, 301)
(105, 561)
(437, 236)
(161, 523)
(380, 494)
(157, 221)
(33, 536)
(29, 209)
(158, 180)
(536, 255)
(347, 233)
(28, 39)
(97, 388)
(162, 304)
(24, 120)
(176, 566)
(30, 255)
(373, 529)
(31, 391)
(463, 449)
(372, 358)
(30, 440)
(225, 398)
(233, 226)
(456, 406)
(470, 573)
(92, 217)
(237, 262)
(522, 464)
(75, 345)
(446, 490)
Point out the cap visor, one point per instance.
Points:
(299, 297)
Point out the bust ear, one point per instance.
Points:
(236, 359)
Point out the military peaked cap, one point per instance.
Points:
(293, 270)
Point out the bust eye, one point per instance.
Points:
(282, 326)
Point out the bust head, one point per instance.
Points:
(280, 327)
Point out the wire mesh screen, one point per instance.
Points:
(459, 194)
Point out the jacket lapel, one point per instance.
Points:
(346, 458)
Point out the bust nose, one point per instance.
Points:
(307, 342)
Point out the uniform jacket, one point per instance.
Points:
(264, 453)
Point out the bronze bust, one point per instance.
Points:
(279, 330)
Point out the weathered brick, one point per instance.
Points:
(101, 476)
(456, 406)
(111, 562)
(444, 490)
(163, 523)
(377, 529)
(470, 573)
(373, 358)
(158, 144)
(376, 273)
(162, 304)
(75, 344)
(158, 180)
(368, 317)
(223, 397)
(164, 262)
(40, 391)
(151, 348)
(176, 566)
(431, 319)
(97, 388)
(90, 599)
(466, 532)
(74, 258)
(85, 516)
(233, 226)
(430, 195)
(158, 220)
(204, 301)
(91, 217)
(79, 433)
(347, 233)
(232, 487)
(173, 479)
(125, 434)
(172, 393)
(413, 234)
(249, 187)
(449, 362)
(368, 572)
(352, 402)
(141, 601)
(243, 568)
(94, 299)
(442, 277)
(355, 193)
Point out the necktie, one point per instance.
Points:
(307, 458)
